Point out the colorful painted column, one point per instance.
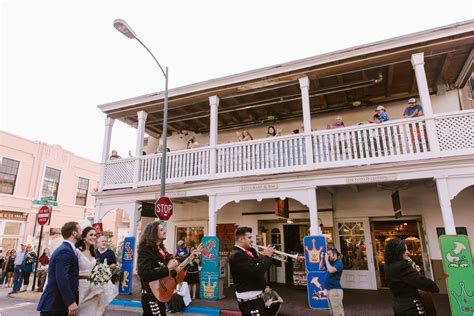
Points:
(209, 280)
(317, 294)
(458, 266)
(128, 255)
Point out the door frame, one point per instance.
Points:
(372, 285)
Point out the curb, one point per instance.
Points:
(191, 309)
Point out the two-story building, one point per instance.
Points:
(30, 170)
(345, 180)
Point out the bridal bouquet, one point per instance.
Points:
(101, 274)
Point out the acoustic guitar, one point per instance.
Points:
(163, 289)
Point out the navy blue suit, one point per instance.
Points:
(63, 282)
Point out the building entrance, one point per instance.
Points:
(407, 230)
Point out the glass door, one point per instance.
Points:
(355, 244)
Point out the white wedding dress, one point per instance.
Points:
(93, 300)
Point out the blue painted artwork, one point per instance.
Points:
(128, 254)
(314, 247)
(209, 280)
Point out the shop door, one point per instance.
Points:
(274, 237)
(354, 242)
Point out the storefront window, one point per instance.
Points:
(352, 241)
(191, 235)
(9, 244)
(12, 228)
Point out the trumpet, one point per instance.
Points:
(278, 255)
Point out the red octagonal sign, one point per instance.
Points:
(163, 208)
(43, 215)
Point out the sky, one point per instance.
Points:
(61, 59)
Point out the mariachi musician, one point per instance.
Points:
(248, 272)
(154, 263)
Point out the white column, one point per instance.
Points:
(141, 117)
(109, 123)
(418, 62)
(445, 204)
(313, 212)
(212, 216)
(304, 86)
(214, 105)
(134, 218)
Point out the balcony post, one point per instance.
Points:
(211, 230)
(418, 63)
(445, 204)
(141, 118)
(214, 105)
(313, 212)
(109, 123)
(304, 86)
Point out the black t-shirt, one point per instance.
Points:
(2, 260)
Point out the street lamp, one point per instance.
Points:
(126, 30)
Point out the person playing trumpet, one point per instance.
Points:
(248, 272)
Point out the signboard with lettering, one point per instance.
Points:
(314, 247)
(458, 267)
(99, 230)
(128, 253)
(209, 287)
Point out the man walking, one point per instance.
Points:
(61, 294)
(248, 273)
(332, 263)
(17, 271)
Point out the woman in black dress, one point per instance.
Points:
(404, 279)
(154, 263)
(192, 276)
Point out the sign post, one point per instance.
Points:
(163, 208)
(43, 217)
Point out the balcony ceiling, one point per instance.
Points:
(364, 80)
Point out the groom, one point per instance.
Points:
(61, 293)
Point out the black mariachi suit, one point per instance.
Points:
(152, 266)
(404, 281)
(249, 275)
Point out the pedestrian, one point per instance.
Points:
(17, 272)
(62, 291)
(404, 279)
(154, 263)
(272, 301)
(331, 262)
(10, 267)
(43, 263)
(248, 272)
(27, 266)
(192, 276)
(180, 298)
(2, 263)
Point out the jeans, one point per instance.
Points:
(17, 278)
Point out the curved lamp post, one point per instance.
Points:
(126, 30)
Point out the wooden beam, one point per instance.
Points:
(389, 81)
(324, 101)
(443, 67)
(340, 80)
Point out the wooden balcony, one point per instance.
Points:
(393, 141)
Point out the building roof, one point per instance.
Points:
(379, 72)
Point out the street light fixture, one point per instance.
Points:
(126, 30)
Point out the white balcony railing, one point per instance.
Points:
(397, 140)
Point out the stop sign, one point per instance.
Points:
(43, 215)
(163, 208)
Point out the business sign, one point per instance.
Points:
(458, 267)
(99, 230)
(128, 254)
(43, 215)
(314, 247)
(209, 278)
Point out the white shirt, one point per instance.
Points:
(73, 246)
(183, 290)
(249, 294)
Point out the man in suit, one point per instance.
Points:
(61, 293)
(248, 273)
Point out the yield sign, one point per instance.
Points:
(43, 215)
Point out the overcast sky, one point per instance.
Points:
(61, 59)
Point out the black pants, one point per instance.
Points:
(26, 278)
(151, 306)
(272, 310)
(252, 308)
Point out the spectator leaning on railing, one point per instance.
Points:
(413, 109)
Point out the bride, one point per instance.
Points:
(92, 300)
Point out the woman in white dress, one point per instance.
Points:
(92, 300)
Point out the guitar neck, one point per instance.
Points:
(186, 261)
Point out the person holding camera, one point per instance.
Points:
(331, 262)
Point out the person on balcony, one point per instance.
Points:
(192, 143)
(413, 109)
(337, 124)
(244, 135)
(380, 115)
(114, 155)
(272, 132)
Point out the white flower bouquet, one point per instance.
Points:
(101, 274)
